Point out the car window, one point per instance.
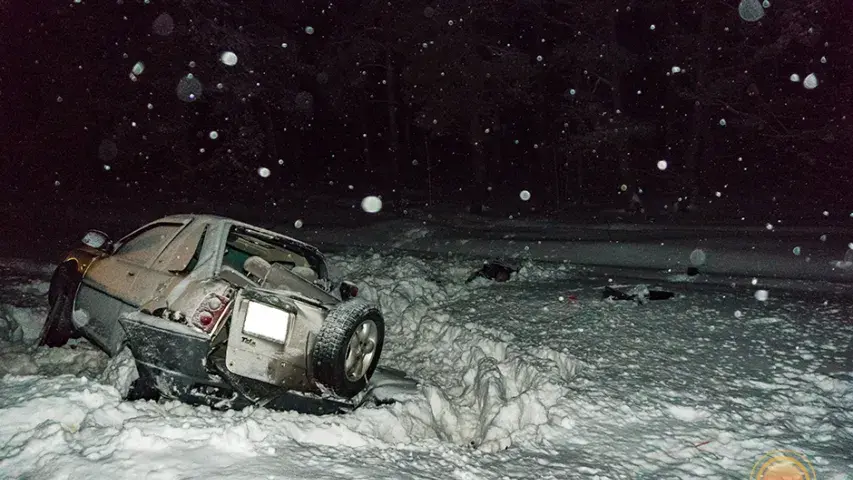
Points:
(243, 244)
(183, 253)
(145, 245)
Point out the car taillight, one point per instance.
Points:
(211, 311)
(348, 290)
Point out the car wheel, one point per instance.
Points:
(58, 328)
(348, 347)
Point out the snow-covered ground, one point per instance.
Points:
(805, 259)
(534, 378)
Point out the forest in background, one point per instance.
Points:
(572, 101)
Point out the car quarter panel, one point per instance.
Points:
(82, 257)
(170, 267)
(166, 346)
(103, 294)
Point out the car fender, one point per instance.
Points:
(83, 257)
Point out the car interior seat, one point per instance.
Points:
(257, 268)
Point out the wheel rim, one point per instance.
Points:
(361, 350)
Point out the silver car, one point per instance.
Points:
(219, 312)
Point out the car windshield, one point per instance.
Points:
(244, 247)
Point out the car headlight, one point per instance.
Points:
(267, 322)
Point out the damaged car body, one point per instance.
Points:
(222, 313)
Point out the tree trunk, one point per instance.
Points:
(556, 179)
(496, 150)
(571, 149)
(407, 137)
(393, 179)
(581, 181)
(429, 168)
(368, 161)
(626, 174)
(699, 125)
(266, 120)
(477, 192)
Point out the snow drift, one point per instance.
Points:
(538, 376)
(480, 387)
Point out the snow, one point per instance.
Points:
(120, 372)
(535, 377)
(728, 255)
(810, 81)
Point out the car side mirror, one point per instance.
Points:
(97, 240)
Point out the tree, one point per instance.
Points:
(465, 74)
(734, 86)
(159, 94)
(363, 55)
(587, 77)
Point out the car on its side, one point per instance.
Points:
(219, 312)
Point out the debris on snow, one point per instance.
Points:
(493, 270)
(639, 293)
(634, 391)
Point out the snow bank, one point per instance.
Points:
(21, 323)
(120, 372)
(769, 254)
(483, 387)
(577, 387)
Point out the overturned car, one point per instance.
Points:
(221, 313)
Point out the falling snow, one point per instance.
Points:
(810, 82)
(371, 204)
(228, 58)
(751, 10)
(189, 88)
(163, 25)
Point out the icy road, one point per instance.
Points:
(535, 378)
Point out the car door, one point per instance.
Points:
(154, 282)
(108, 287)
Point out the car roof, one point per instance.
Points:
(215, 219)
(182, 217)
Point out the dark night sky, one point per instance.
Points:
(379, 92)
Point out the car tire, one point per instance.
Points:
(348, 347)
(58, 329)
